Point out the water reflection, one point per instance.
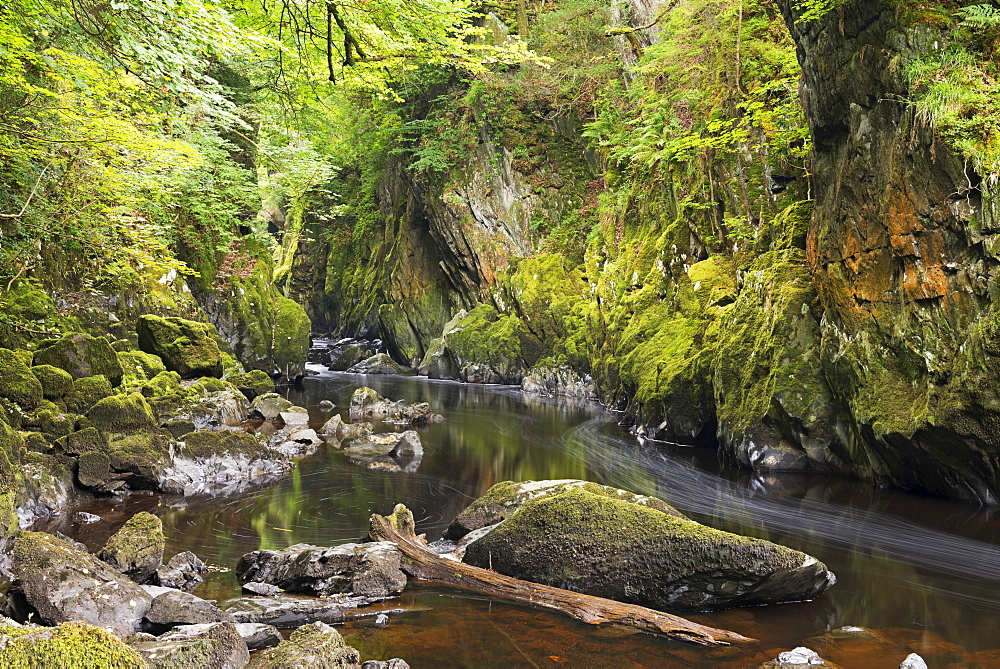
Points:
(927, 567)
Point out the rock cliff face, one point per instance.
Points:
(852, 332)
(902, 253)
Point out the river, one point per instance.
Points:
(924, 573)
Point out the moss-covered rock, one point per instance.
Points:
(94, 469)
(37, 442)
(140, 366)
(163, 384)
(140, 458)
(64, 583)
(613, 548)
(186, 347)
(292, 337)
(11, 450)
(217, 645)
(83, 441)
(206, 443)
(81, 355)
(56, 383)
(50, 420)
(504, 498)
(126, 414)
(87, 392)
(253, 383)
(72, 645)
(136, 549)
(17, 383)
(314, 645)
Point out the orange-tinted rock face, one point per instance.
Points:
(900, 257)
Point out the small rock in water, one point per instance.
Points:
(913, 661)
(84, 517)
(295, 416)
(797, 657)
(183, 571)
(381, 619)
(394, 663)
(265, 589)
(327, 405)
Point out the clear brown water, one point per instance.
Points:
(923, 572)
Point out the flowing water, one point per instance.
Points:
(923, 573)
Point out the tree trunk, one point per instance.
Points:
(425, 565)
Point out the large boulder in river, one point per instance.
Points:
(503, 499)
(81, 355)
(370, 569)
(64, 583)
(367, 403)
(614, 548)
(136, 549)
(186, 347)
(314, 645)
(380, 363)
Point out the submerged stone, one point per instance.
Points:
(614, 548)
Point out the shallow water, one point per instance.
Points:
(924, 573)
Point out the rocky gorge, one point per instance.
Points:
(626, 310)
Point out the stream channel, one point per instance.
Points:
(923, 572)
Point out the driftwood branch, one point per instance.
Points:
(425, 565)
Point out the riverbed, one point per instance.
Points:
(923, 573)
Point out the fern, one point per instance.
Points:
(980, 17)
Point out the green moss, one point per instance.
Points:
(81, 355)
(11, 451)
(87, 392)
(163, 384)
(207, 384)
(143, 455)
(206, 443)
(313, 645)
(769, 343)
(612, 548)
(137, 547)
(83, 441)
(93, 469)
(56, 383)
(292, 337)
(71, 645)
(186, 347)
(252, 383)
(140, 366)
(51, 421)
(126, 414)
(38, 442)
(17, 383)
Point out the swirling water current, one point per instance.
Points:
(923, 573)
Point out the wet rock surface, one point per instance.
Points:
(366, 570)
(182, 572)
(171, 608)
(136, 549)
(286, 611)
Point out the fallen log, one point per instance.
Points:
(423, 564)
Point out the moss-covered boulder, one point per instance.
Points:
(10, 479)
(65, 584)
(94, 469)
(140, 366)
(50, 420)
(71, 645)
(206, 443)
(615, 548)
(81, 355)
(186, 347)
(125, 414)
(313, 645)
(253, 383)
(503, 499)
(17, 383)
(217, 645)
(136, 549)
(87, 392)
(292, 337)
(56, 383)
